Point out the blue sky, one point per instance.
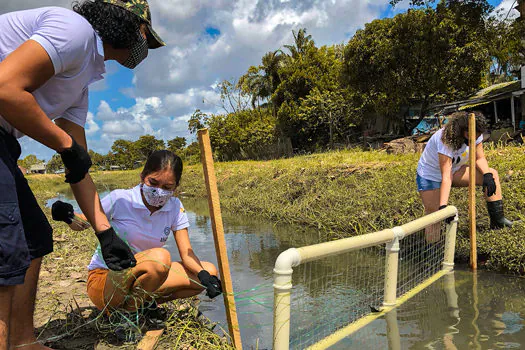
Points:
(207, 42)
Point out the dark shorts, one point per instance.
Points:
(25, 233)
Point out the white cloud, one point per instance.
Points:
(91, 126)
(174, 80)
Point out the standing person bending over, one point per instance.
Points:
(48, 57)
(444, 164)
(145, 216)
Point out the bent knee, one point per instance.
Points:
(156, 260)
(208, 266)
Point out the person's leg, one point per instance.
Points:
(14, 252)
(430, 199)
(22, 328)
(131, 288)
(6, 295)
(461, 178)
(39, 238)
(494, 203)
(181, 283)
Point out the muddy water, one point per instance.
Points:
(461, 311)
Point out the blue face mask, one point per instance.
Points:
(156, 197)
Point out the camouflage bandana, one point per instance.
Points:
(141, 9)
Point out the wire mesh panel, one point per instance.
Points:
(333, 292)
(420, 256)
(337, 287)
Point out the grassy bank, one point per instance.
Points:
(349, 193)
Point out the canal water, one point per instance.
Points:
(461, 311)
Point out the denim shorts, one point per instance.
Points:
(25, 233)
(426, 185)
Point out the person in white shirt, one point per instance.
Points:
(444, 164)
(144, 217)
(48, 58)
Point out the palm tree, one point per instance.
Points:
(301, 43)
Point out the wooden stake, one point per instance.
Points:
(472, 190)
(218, 234)
(149, 342)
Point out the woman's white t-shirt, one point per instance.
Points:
(75, 49)
(135, 224)
(428, 166)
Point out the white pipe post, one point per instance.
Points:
(450, 244)
(282, 286)
(391, 268)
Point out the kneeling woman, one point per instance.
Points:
(144, 217)
(444, 164)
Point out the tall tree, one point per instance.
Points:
(421, 56)
(124, 153)
(147, 144)
(29, 161)
(177, 144)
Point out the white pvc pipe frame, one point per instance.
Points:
(293, 257)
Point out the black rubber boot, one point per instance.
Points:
(497, 218)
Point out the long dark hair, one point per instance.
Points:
(457, 125)
(160, 160)
(115, 26)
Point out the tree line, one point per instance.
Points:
(313, 98)
(125, 154)
(305, 98)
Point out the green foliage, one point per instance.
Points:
(177, 144)
(197, 121)
(326, 117)
(54, 164)
(242, 135)
(348, 193)
(28, 161)
(421, 56)
(124, 153)
(147, 144)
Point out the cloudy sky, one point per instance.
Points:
(207, 42)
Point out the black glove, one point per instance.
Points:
(447, 220)
(115, 251)
(61, 211)
(489, 184)
(77, 161)
(212, 283)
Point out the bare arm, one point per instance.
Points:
(85, 191)
(481, 162)
(445, 163)
(189, 259)
(22, 72)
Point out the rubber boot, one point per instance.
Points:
(497, 218)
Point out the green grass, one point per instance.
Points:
(347, 193)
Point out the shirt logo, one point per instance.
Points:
(167, 231)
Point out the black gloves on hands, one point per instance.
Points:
(212, 283)
(447, 220)
(489, 184)
(115, 251)
(77, 161)
(61, 211)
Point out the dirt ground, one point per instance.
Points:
(65, 318)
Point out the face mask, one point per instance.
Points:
(137, 53)
(156, 197)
